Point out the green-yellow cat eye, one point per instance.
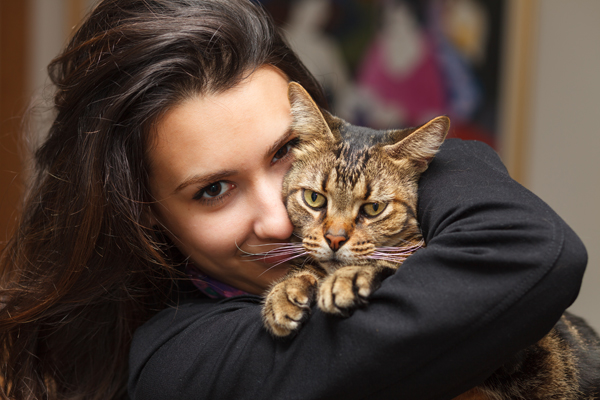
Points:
(373, 209)
(314, 199)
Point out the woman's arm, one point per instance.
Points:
(499, 269)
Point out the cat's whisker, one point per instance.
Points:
(392, 255)
(277, 251)
(305, 260)
(397, 260)
(273, 244)
(240, 249)
(284, 252)
(283, 261)
(397, 250)
(282, 247)
(419, 244)
(395, 254)
(289, 250)
(297, 235)
(263, 257)
(400, 250)
(246, 253)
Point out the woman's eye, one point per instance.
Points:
(284, 150)
(314, 199)
(213, 190)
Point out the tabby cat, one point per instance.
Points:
(358, 229)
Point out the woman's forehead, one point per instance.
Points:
(221, 131)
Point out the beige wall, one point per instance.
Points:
(564, 164)
(13, 103)
(51, 22)
(48, 35)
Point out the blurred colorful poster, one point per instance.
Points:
(397, 63)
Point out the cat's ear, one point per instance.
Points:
(307, 120)
(422, 144)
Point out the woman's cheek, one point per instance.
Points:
(213, 235)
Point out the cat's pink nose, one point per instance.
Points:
(335, 242)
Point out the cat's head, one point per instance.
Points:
(352, 191)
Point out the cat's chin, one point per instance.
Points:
(331, 266)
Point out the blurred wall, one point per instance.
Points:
(564, 145)
(32, 32)
(13, 101)
(49, 30)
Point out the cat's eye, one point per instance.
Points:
(373, 209)
(314, 199)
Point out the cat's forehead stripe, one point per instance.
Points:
(324, 183)
(350, 163)
(368, 190)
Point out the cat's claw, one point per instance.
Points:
(288, 304)
(347, 289)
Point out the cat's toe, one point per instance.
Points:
(283, 317)
(345, 290)
(287, 306)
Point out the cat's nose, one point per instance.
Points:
(335, 241)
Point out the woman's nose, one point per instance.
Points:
(271, 219)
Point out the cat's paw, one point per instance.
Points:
(347, 289)
(288, 303)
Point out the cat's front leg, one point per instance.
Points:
(287, 305)
(349, 288)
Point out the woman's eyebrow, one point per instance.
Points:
(279, 142)
(203, 180)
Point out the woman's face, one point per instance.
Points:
(216, 173)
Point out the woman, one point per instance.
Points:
(168, 149)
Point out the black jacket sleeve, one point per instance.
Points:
(499, 269)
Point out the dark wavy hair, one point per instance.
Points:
(84, 270)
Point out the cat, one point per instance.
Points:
(365, 240)
(358, 229)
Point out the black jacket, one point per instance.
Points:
(498, 270)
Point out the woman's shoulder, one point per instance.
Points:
(468, 152)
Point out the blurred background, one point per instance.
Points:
(520, 75)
